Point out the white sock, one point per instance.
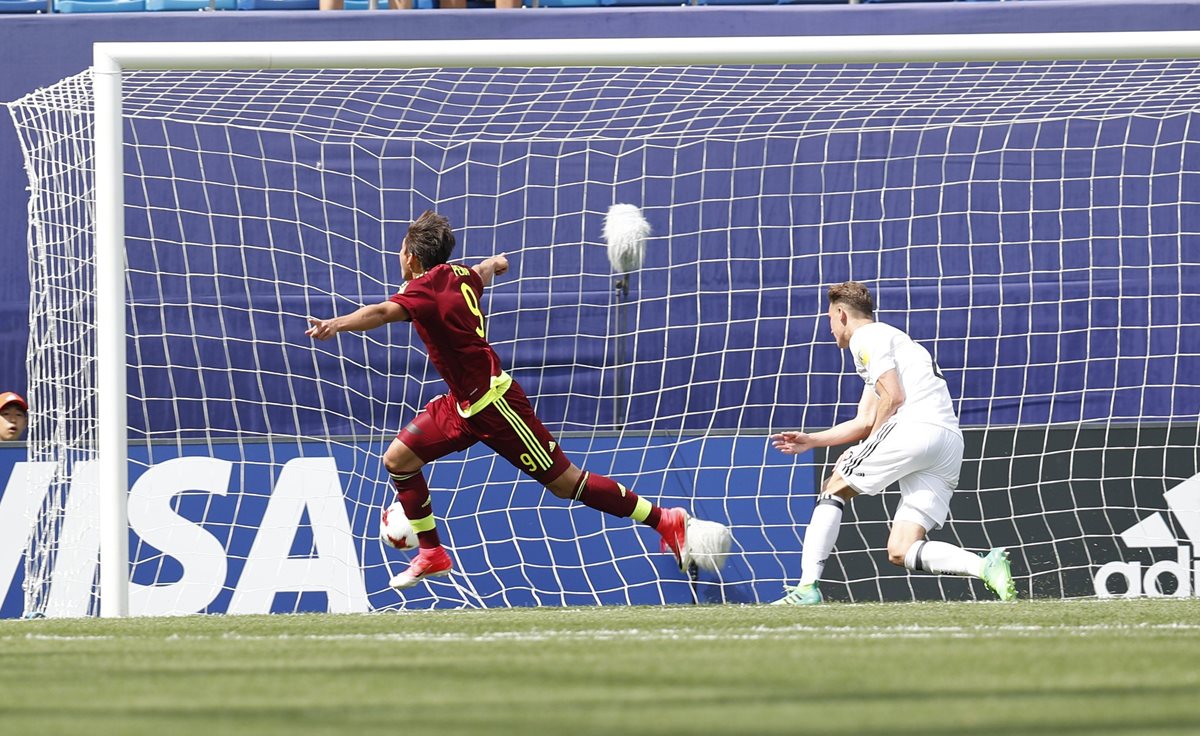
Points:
(940, 558)
(820, 537)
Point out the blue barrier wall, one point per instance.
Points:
(514, 544)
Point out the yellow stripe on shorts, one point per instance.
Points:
(538, 452)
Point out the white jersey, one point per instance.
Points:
(878, 348)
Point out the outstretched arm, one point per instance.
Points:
(860, 427)
(363, 318)
(490, 268)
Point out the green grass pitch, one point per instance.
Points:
(1079, 667)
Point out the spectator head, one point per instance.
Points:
(14, 416)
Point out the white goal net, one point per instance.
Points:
(1032, 223)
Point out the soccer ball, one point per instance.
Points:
(395, 529)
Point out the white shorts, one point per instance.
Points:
(925, 458)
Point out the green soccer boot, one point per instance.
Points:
(807, 594)
(998, 575)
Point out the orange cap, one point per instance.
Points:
(9, 397)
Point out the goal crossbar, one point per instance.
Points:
(115, 57)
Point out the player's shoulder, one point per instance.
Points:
(870, 332)
(879, 331)
(873, 339)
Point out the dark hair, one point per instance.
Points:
(853, 295)
(430, 239)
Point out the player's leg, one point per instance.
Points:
(605, 494)
(404, 468)
(925, 492)
(510, 427)
(908, 547)
(924, 506)
(921, 511)
(819, 539)
(868, 467)
(435, 432)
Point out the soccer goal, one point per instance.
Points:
(1023, 204)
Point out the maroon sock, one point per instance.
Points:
(605, 494)
(413, 495)
(653, 517)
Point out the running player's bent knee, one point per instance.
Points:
(401, 460)
(564, 486)
(836, 485)
(560, 489)
(398, 466)
(897, 551)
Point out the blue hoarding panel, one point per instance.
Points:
(513, 543)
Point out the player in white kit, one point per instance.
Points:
(907, 431)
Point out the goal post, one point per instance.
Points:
(111, 413)
(113, 60)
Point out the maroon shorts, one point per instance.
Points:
(507, 425)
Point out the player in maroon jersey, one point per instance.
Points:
(484, 403)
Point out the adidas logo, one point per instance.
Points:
(1153, 532)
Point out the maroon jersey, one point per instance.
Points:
(444, 306)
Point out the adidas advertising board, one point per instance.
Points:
(1157, 532)
(1085, 510)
